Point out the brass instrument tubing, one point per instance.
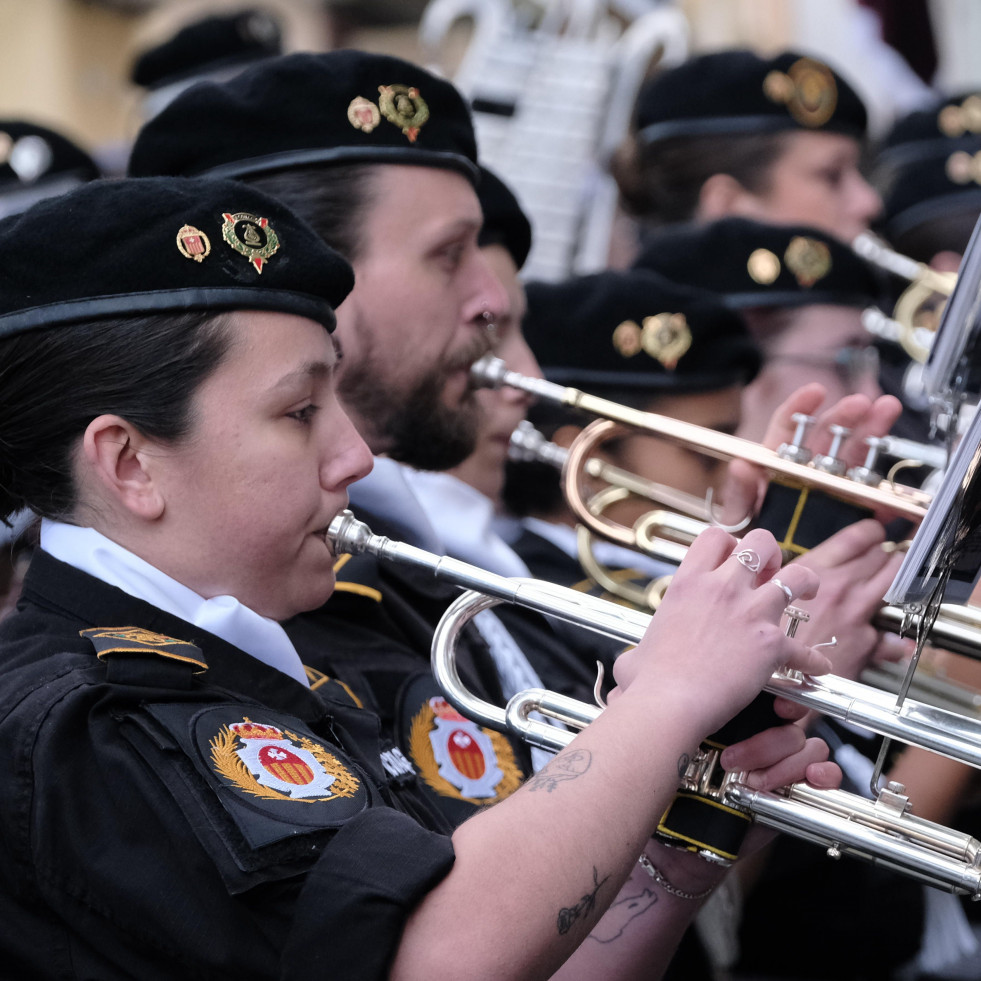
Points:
(912, 504)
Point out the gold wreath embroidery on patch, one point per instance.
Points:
(963, 167)
(808, 259)
(626, 339)
(666, 337)
(250, 236)
(136, 635)
(363, 114)
(276, 764)
(763, 267)
(459, 759)
(807, 89)
(405, 107)
(192, 243)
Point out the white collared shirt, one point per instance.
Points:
(224, 616)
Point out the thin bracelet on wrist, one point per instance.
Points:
(648, 866)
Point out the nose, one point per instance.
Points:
(866, 202)
(347, 457)
(486, 295)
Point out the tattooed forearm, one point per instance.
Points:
(621, 914)
(569, 915)
(567, 766)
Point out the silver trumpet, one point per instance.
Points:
(882, 831)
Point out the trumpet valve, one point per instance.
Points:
(795, 449)
(795, 617)
(866, 473)
(830, 462)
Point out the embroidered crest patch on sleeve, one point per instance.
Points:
(265, 761)
(457, 758)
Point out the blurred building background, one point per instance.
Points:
(68, 64)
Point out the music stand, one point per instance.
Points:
(944, 558)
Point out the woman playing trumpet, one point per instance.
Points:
(186, 458)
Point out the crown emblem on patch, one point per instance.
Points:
(251, 236)
(403, 106)
(192, 243)
(265, 761)
(807, 89)
(808, 259)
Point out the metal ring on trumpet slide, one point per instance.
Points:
(882, 831)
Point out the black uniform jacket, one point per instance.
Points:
(375, 634)
(174, 808)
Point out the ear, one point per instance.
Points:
(115, 453)
(722, 195)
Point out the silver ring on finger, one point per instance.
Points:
(787, 591)
(750, 559)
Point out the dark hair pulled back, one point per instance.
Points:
(661, 184)
(54, 382)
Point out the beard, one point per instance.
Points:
(414, 426)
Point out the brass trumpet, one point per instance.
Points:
(822, 474)
(665, 536)
(881, 831)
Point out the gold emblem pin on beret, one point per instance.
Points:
(808, 259)
(963, 167)
(666, 337)
(763, 267)
(405, 107)
(807, 89)
(957, 119)
(251, 236)
(363, 114)
(193, 243)
(626, 339)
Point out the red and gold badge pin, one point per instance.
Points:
(193, 243)
(251, 236)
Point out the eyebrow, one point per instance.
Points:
(312, 369)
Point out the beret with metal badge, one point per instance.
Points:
(738, 92)
(136, 247)
(749, 263)
(310, 108)
(635, 329)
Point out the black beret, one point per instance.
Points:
(209, 44)
(334, 107)
(504, 221)
(634, 329)
(738, 92)
(36, 162)
(133, 247)
(755, 264)
(929, 166)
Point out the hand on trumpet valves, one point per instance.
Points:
(855, 571)
(859, 415)
(718, 636)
